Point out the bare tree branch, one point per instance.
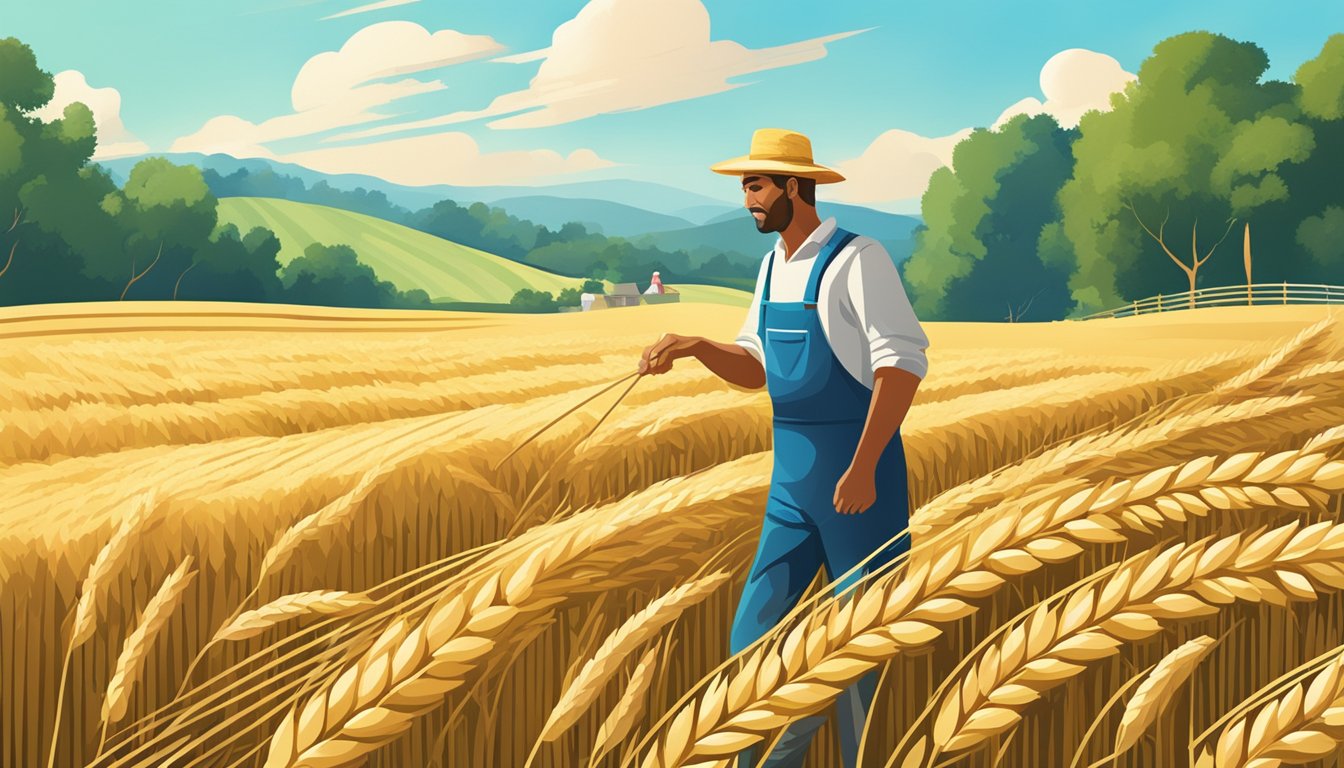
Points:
(1230, 222)
(142, 274)
(11, 258)
(1158, 237)
(179, 280)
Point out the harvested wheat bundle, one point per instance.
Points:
(283, 609)
(833, 646)
(637, 630)
(135, 650)
(1304, 724)
(1181, 582)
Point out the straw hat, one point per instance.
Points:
(777, 151)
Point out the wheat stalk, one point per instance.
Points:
(136, 648)
(627, 711)
(1183, 581)
(634, 632)
(835, 646)
(280, 610)
(1158, 688)
(1304, 724)
(413, 665)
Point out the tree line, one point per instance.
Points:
(1198, 163)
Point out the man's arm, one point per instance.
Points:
(877, 298)
(730, 362)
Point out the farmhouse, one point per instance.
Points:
(628, 295)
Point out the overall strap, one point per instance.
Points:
(837, 242)
(765, 290)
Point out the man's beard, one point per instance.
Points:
(779, 216)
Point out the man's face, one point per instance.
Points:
(769, 205)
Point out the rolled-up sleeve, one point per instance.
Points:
(880, 305)
(749, 337)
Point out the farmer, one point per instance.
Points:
(831, 334)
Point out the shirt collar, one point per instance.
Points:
(812, 245)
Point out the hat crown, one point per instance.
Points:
(780, 144)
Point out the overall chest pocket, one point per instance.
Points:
(787, 348)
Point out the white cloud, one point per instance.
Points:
(894, 170)
(337, 89)
(896, 167)
(378, 6)
(622, 55)
(1073, 81)
(446, 158)
(105, 103)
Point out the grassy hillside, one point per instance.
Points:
(408, 258)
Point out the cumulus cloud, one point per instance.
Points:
(894, 170)
(896, 167)
(105, 103)
(1073, 82)
(446, 158)
(338, 89)
(378, 6)
(622, 55)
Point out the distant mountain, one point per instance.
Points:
(703, 214)
(649, 196)
(609, 218)
(736, 231)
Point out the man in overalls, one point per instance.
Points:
(832, 334)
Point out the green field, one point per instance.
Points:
(447, 271)
(408, 258)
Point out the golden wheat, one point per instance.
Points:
(835, 646)
(1304, 724)
(1158, 688)
(628, 709)
(278, 611)
(110, 560)
(1181, 582)
(638, 629)
(135, 650)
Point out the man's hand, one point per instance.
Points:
(856, 491)
(658, 356)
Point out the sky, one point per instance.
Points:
(549, 91)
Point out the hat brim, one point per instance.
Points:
(745, 164)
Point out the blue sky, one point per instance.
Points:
(849, 72)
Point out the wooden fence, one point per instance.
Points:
(1230, 295)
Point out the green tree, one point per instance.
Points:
(332, 275)
(1197, 142)
(569, 297)
(980, 255)
(528, 300)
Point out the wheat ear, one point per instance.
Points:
(110, 560)
(1302, 725)
(1182, 582)
(315, 525)
(322, 601)
(625, 715)
(832, 647)
(136, 648)
(1158, 688)
(633, 633)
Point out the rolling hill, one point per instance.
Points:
(409, 259)
(610, 218)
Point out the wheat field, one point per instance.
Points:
(237, 535)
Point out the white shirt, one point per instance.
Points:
(864, 311)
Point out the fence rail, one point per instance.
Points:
(1230, 295)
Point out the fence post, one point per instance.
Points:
(1159, 302)
(1136, 307)
(1285, 293)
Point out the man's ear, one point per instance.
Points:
(791, 187)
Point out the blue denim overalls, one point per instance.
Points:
(819, 414)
